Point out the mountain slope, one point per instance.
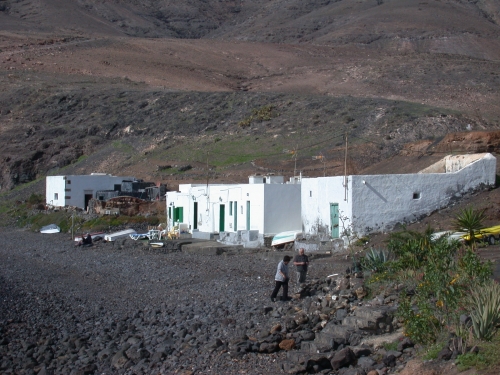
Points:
(135, 86)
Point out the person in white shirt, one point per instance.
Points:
(281, 279)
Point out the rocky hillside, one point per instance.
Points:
(231, 88)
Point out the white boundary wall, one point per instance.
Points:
(378, 202)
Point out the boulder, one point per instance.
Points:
(333, 335)
(366, 363)
(343, 358)
(287, 344)
(374, 320)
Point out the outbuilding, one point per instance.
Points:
(78, 190)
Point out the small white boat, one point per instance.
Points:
(51, 228)
(157, 244)
(117, 235)
(451, 235)
(286, 237)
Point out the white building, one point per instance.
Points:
(265, 206)
(77, 190)
(374, 203)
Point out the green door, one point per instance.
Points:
(235, 213)
(178, 215)
(195, 215)
(334, 219)
(222, 210)
(248, 215)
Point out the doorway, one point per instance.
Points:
(195, 215)
(222, 210)
(334, 219)
(235, 212)
(248, 215)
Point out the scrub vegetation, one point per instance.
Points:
(447, 296)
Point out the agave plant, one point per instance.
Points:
(375, 260)
(485, 314)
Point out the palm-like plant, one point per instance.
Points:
(471, 221)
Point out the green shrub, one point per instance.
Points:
(35, 199)
(486, 359)
(473, 268)
(432, 351)
(420, 324)
(391, 346)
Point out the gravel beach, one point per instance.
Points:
(122, 308)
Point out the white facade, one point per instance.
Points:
(76, 190)
(265, 207)
(374, 203)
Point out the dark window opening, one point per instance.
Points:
(416, 195)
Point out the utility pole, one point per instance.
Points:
(207, 170)
(295, 166)
(345, 169)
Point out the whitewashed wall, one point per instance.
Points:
(282, 208)
(273, 207)
(181, 198)
(378, 202)
(317, 194)
(79, 186)
(381, 201)
(55, 185)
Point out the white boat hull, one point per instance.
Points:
(49, 229)
(285, 237)
(118, 235)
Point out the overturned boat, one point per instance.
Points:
(51, 228)
(117, 235)
(284, 238)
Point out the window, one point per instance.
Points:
(56, 196)
(68, 182)
(416, 195)
(230, 208)
(310, 193)
(67, 197)
(101, 197)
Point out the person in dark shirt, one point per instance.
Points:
(85, 241)
(301, 261)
